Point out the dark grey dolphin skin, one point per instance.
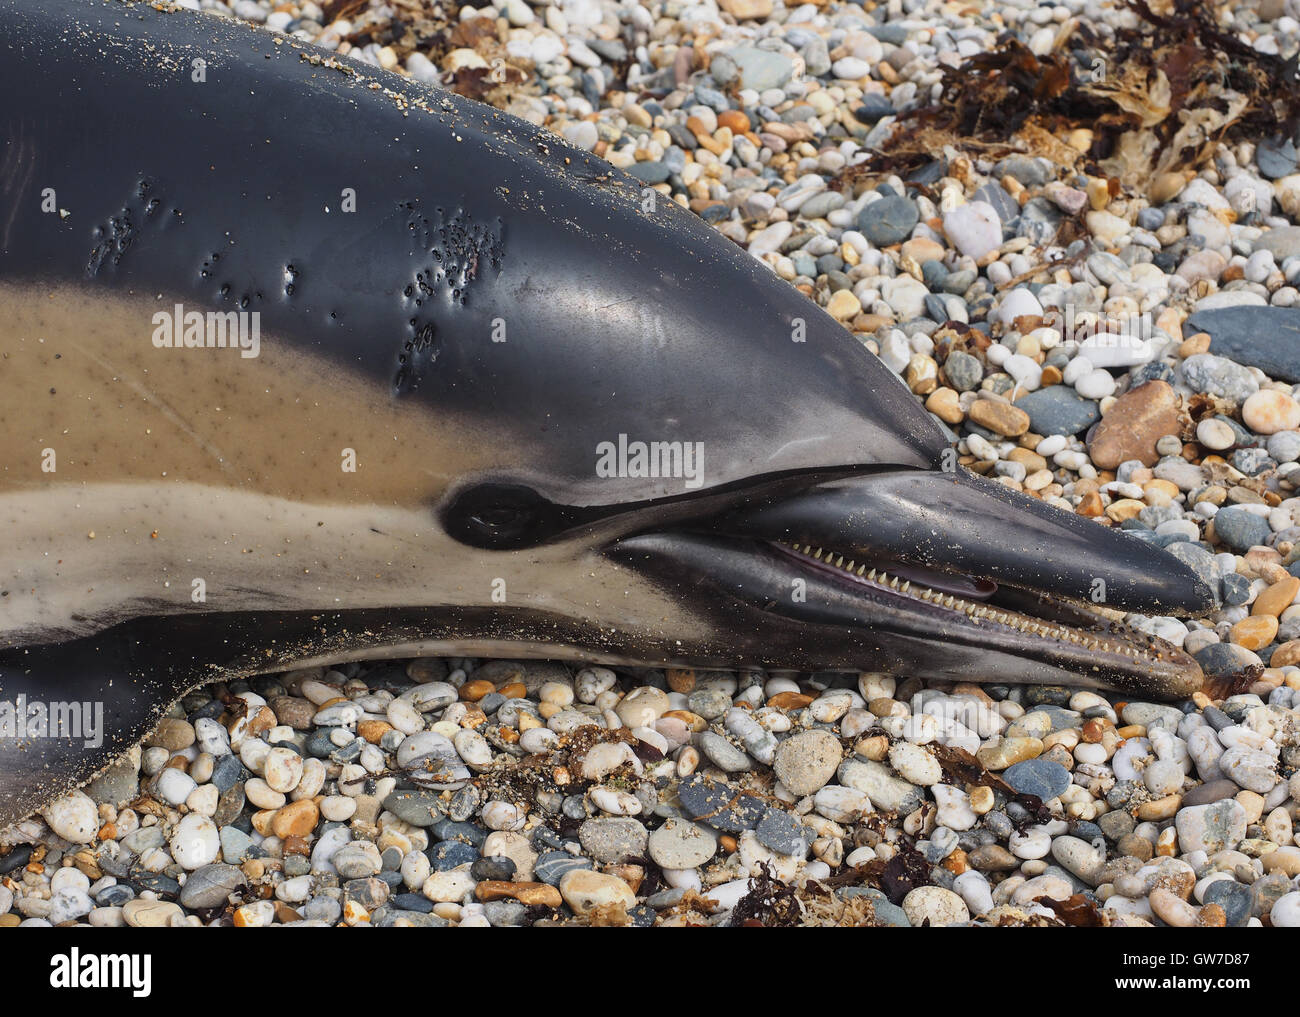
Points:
(430, 446)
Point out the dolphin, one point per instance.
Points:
(304, 362)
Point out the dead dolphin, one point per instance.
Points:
(303, 362)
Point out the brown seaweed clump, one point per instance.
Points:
(1130, 103)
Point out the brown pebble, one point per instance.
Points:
(173, 734)
(992, 858)
(500, 889)
(1030, 460)
(539, 894)
(1286, 654)
(1090, 505)
(294, 712)
(692, 720)
(1001, 418)
(1137, 420)
(1159, 809)
(944, 405)
(373, 730)
(297, 819)
(1134, 846)
(262, 820)
(263, 720)
(680, 679)
(1255, 631)
(475, 690)
(735, 120)
(1277, 598)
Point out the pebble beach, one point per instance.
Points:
(1102, 312)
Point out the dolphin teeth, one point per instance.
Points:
(973, 610)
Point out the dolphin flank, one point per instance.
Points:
(304, 362)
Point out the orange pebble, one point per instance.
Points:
(476, 690)
(1255, 631)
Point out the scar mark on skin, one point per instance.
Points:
(164, 408)
(15, 176)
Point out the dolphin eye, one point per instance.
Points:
(499, 516)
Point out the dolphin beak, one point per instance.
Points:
(946, 575)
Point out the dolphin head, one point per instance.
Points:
(718, 473)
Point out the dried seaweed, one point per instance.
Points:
(768, 904)
(335, 9)
(1077, 911)
(963, 768)
(826, 911)
(903, 873)
(858, 875)
(1155, 98)
(1221, 687)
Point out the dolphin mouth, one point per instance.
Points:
(983, 603)
(947, 576)
(931, 585)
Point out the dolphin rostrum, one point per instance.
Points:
(304, 362)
